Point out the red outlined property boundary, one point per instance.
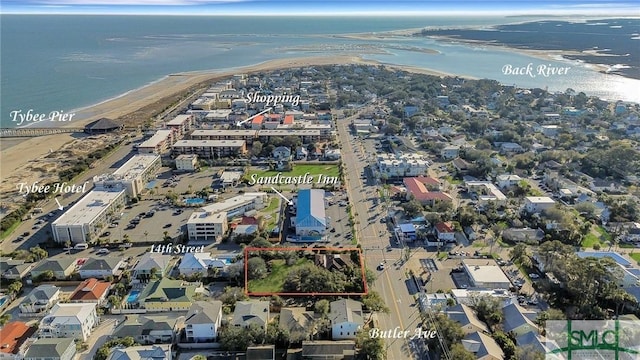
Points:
(308, 249)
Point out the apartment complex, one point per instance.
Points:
(132, 176)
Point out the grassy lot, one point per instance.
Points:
(635, 256)
(603, 233)
(313, 170)
(275, 281)
(453, 181)
(590, 240)
(272, 210)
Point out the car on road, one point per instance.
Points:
(106, 233)
(126, 245)
(18, 239)
(381, 266)
(26, 233)
(102, 251)
(167, 225)
(333, 230)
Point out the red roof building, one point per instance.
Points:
(288, 120)
(90, 291)
(257, 120)
(445, 231)
(418, 187)
(13, 335)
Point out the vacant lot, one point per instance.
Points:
(274, 283)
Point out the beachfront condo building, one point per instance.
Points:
(133, 176)
(181, 124)
(217, 134)
(159, 143)
(210, 149)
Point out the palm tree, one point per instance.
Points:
(146, 235)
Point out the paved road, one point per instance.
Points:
(375, 239)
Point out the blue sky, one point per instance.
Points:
(317, 7)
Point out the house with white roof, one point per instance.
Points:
(199, 263)
(75, 320)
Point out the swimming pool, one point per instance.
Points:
(151, 184)
(3, 300)
(194, 201)
(133, 296)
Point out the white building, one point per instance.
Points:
(485, 274)
(404, 165)
(133, 176)
(88, 217)
(199, 263)
(187, 162)
(159, 143)
(209, 223)
(181, 124)
(210, 149)
(346, 319)
(537, 204)
(207, 226)
(74, 320)
(507, 181)
(486, 192)
(203, 321)
(450, 152)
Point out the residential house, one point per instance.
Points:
(12, 338)
(152, 352)
(144, 269)
(281, 153)
(14, 269)
(149, 329)
(251, 312)
(450, 152)
(536, 341)
(507, 181)
(602, 185)
(299, 322)
(537, 204)
(332, 154)
(346, 319)
(483, 346)
(301, 153)
(61, 268)
(445, 232)
(203, 321)
(40, 300)
(102, 268)
(509, 147)
(244, 230)
(518, 320)
(51, 349)
(461, 165)
(167, 295)
(70, 320)
(329, 350)
(199, 263)
(526, 235)
(91, 291)
(467, 318)
(333, 262)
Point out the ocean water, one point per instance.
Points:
(60, 63)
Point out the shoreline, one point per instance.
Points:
(19, 157)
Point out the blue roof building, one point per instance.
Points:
(311, 219)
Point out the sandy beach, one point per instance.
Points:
(30, 159)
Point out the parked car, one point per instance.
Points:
(102, 251)
(534, 276)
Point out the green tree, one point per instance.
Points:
(458, 352)
(374, 302)
(506, 344)
(372, 348)
(4, 319)
(370, 276)
(529, 352)
(38, 253)
(14, 288)
(322, 307)
(256, 268)
(489, 309)
(412, 207)
(519, 255)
